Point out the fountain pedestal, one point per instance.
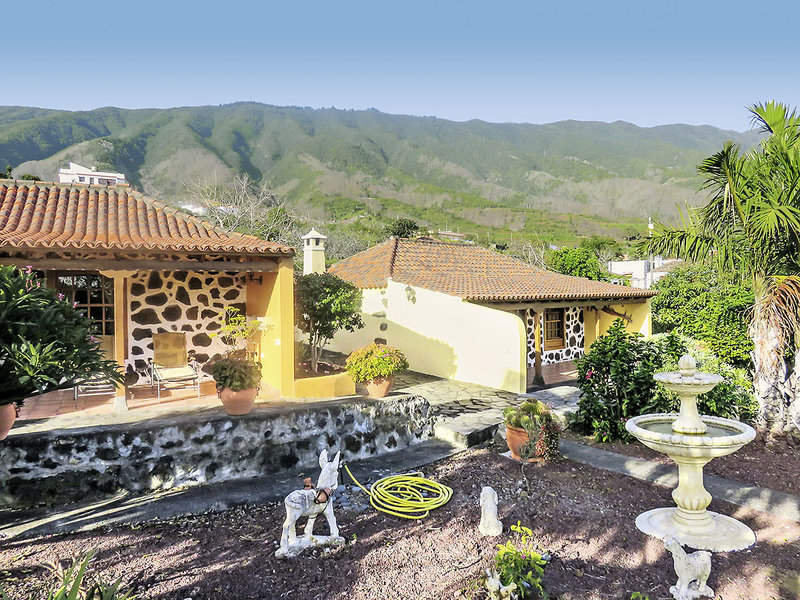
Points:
(692, 441)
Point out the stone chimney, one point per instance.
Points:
(313, 252)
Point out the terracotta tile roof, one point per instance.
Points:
(471, 272)
(74, 216)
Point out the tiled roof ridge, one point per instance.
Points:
(171, 210)
(471, 272)
(395, 242)
(54, 214)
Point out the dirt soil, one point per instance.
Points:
(582, 516)
(303, 370)
(774, 465)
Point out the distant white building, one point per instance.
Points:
(75, 173)
(641, 273)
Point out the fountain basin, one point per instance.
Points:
(690, 522)
(721, 437)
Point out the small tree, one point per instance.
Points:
(45, 343)
(579, 262)
(325, 304)
(401, 228)
(242, 206)
(30, 177)
(708, 306)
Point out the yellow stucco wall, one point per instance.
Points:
(273, 298)
(326, 386)
(443, 335)
(596, 322)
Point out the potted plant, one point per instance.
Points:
(45, 345)
(531, 431)
(237, 374)
(237, 383)
(376, 365)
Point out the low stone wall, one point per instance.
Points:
(62, 466)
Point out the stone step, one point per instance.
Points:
(469, 429)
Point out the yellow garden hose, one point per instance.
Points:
(409, 496)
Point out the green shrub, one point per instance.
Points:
(732, 399)
(376, 361)
(520, 563)
(75, 585)
(236, 373)
(616, 382)
(543, 432)
(45, 343)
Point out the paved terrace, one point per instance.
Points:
(450, 399)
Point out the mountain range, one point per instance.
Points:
(556, 182)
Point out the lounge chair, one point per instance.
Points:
(171, 364)
(97, 387)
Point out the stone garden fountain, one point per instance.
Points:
(692, 440)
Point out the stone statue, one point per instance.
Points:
(310, 502)
(692, 570)
(490, 524)
(495, 587)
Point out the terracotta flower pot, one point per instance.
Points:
(516, 438)
(238, 403)
(8, 414)
(378, 388)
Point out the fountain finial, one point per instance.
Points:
(687, 366)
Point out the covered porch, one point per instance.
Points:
(138, 268)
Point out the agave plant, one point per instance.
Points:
(750, 226)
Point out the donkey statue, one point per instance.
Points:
(311, 502)
(692, 570)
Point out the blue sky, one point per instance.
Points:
(646, 62)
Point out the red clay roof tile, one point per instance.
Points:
(69, 216)
(471, 272)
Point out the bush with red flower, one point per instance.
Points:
(45, 343)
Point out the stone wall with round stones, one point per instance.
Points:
(192, 302)
(573, 323)
(272, 441)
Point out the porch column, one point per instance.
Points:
(537, 349)
(120, 279)
(270, 296)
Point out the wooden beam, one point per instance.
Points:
(541, 306)
(109, 264)
(611, 311)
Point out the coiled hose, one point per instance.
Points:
(409, 496)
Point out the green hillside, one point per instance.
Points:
(557, 181)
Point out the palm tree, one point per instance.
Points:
(751, 226)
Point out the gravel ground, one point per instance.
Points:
(582, 516)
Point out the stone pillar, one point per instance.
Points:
(537, 346)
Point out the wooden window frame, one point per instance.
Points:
(555, 343)
(104, 326)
